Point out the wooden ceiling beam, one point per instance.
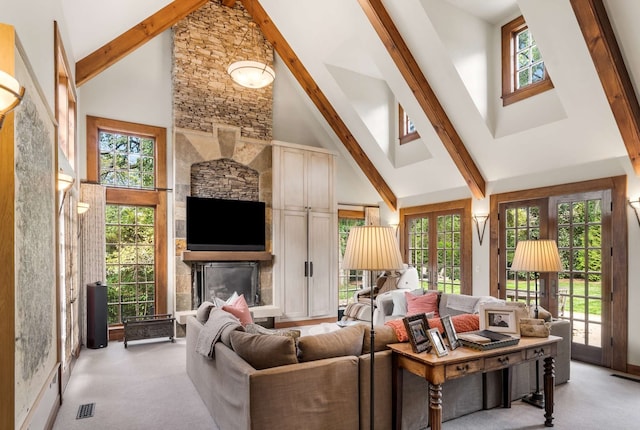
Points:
(408, 67)
(273, 35)
(606, 55)
(129, 41)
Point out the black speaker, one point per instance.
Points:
(97, 331)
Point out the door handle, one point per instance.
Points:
(306, 269)
(311, 269)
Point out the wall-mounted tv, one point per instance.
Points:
(225, 225)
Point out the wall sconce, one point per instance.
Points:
(64, 181)
(11, 94)
(481, 223)
(83, 207)
(635, 204)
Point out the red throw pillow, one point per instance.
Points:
(422, 304)
(399, 329)
(240, 310)
(462, 323)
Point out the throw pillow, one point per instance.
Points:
(202, 314)
(264, 351)
(461, 323)
(399, 329)
(422, 304)
(400, 301)
(346, 341)
(240, 310)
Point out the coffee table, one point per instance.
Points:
(465, 361)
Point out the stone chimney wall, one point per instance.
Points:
(204, 44)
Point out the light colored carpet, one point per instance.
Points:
(146, 387)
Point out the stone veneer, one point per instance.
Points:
(204, 44)
(234, 161)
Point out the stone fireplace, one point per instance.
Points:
(224, 165)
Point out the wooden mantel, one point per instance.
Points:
(227, 256)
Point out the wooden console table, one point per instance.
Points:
(464, 361)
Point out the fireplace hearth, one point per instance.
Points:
(222, 279)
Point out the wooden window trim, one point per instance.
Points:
(509, 92)
(463, 206)
(350, 214)
(402, 127)
(156, 198)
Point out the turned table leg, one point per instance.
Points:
(549, 382)
(435, 406)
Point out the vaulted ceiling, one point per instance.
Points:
(440, 59)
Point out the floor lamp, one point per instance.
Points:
(372, 248)
(536, 256)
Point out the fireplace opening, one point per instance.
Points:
(222, 279)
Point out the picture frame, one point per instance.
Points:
(450, 332)
(500, 319)
(438, 343)
(417, 327)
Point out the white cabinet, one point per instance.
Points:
(303, 179)
(305, 231)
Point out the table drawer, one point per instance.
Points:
(502, 361)
(538, 352)
(463, 369)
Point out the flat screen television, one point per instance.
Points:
(225, 225)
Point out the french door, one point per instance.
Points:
(580, 293)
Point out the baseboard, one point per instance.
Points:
(633, 369)
(44, 410)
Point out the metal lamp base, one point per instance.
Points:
(535, 399)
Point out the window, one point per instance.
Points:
(523, 71)
(407, 131)
(437, 242)
(349, 280)
(130, 161)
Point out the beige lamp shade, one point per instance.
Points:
(536, 256)
(372, 248)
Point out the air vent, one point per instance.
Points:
(85, 411)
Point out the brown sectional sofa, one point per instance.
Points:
(333, 392)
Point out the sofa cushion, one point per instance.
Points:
(384, 335)
(422, 304)
(346, 341)
(258, 329)
(240, 310)
(456, 304)
(264, 351)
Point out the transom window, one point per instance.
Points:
(126, 160)
(523, 70)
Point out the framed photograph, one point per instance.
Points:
(501, 319)
(450, 332)
(417, 327)
(438, 343)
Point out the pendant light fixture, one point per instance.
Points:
(250, 73)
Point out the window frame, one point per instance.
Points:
(462, 207)
(156, 198)
(403, 120)
(509, 92)
(360, 275)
